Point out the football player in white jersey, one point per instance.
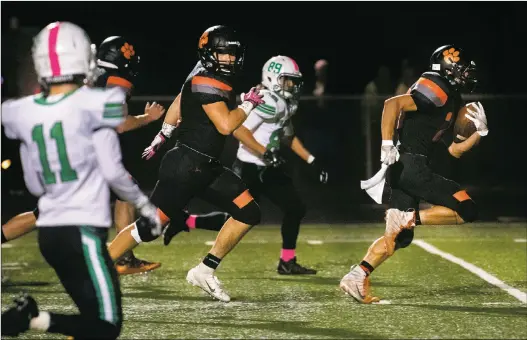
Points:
(258, 162)
(70, 158)
(117, 61)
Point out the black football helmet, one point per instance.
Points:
(118, 57)
(452, 63)
(221, 40)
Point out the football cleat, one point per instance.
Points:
(396, 221)
(129, 264)
(208, 282)
(357, 284)
(16, 319)
(292, 268)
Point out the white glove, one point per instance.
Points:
(477, 116)
(149, 211)
(389, 153)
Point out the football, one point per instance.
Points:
(463, 127)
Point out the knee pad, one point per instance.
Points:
(142, 228)
(249, 214)
(468, 210)
(404, 238)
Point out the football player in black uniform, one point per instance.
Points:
(425, 113)
(191, 169)
(118, 64)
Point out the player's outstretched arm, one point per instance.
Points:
(302, 152)
(171, 122)
(152, 113)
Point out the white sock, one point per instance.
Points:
(205, 269)
(41, 322)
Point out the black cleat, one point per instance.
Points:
(174, 228)
(292, 268)
(16, 319)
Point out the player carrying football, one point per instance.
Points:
(425, 113)
(70, 157)
(191, 168)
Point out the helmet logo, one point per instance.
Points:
(203, 40)
(451, 55)
(274, 67)
(128, 50)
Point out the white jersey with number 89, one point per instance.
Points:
(57, 152)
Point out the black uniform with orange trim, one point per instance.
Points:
(197, 131)
(191, 168)
(411, 178)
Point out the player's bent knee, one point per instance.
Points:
(249, 214)
(142, 231)
(468, 210)
(404, 239)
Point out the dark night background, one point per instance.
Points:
(356, 38)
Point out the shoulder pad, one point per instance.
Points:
(271, 107)
(433, 87)
(203, 84)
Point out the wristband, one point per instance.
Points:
(167, 129)
(310, 159)
(247, 107)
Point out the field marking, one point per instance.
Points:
(314, 242)
(520, 240)
(7, 245)
(382, 302)
(210, 243)
(518, 294)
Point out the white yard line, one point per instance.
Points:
(314, 242)
(518, 294)
(520, 240)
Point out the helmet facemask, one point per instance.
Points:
(465, 76)
(288, 85)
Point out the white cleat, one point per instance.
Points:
(397, 221)
(357, 284)
(208, 282)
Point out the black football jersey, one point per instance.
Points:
(197, 130)
(437, 106)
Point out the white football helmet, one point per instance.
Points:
(281, 74)
(61, 51)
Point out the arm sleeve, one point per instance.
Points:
(108, 151)
(31, 177)
(107, 108)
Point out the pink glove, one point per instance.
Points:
(253, 96)
(150, 151)
(251, 100)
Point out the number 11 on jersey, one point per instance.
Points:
(67, 174)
